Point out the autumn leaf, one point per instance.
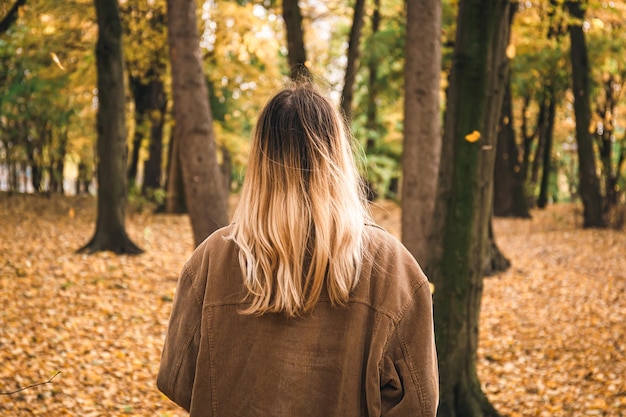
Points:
(552, 337)
(472, 137)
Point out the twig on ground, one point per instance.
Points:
(31, 386)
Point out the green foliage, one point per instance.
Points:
(39, 64)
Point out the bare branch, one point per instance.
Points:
(31, 386)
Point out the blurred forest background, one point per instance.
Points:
(48, 99)
(153, 102)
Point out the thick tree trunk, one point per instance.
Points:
(352, 65)
(464, 199)
(203, 182)
(296, 55)
(589, 182)
(422, 125)
(112, 152)
(509, 196)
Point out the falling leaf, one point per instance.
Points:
(72, 213)
(472, 137)
(57, 61)
(510, 51)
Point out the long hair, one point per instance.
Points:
(299, 222)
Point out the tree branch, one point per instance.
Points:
(11, 16)
(31, 386)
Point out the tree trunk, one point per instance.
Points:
(528, 137)
(542, 130)
(589, 182)
(112, 152)
(352, 65)
(175, 189)
(372, 105)
(203, 183)
(422, 125)
(464, 200)
(495, 261)
(508, 182)
(150, 106)
(133, 167)
(156, 117)
(58, 164)
(542, 200)
(296, 54)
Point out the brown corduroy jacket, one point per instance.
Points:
(374, 356)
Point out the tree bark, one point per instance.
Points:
(508, 182)
(372, 105)
(150, 106)
(589, 182)
(203, 183)
(464, 199)
(156, 118)
(112, 152)
(352, 65)
(296, 53)
(175, 189)
(422, 125)
(542, 200)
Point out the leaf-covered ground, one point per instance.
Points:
(552, 339)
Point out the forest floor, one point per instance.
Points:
(552, 330)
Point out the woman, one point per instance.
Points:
(302, 306)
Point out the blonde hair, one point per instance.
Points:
(300, 219)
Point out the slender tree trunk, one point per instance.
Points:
(542, 130)
(509, 195)
(203, 182)
(156, 116)
(589, 182)
(58, 164)
(542, 200)
(464, 200)
(422, 125)
(372, 105)
(296, 54)
(133, 167)
(528, 137)
(175, 196)
(112, 152)
(352, 65)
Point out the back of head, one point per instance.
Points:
(301, 214)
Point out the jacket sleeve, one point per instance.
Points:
(178, 360)
(409, 375)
